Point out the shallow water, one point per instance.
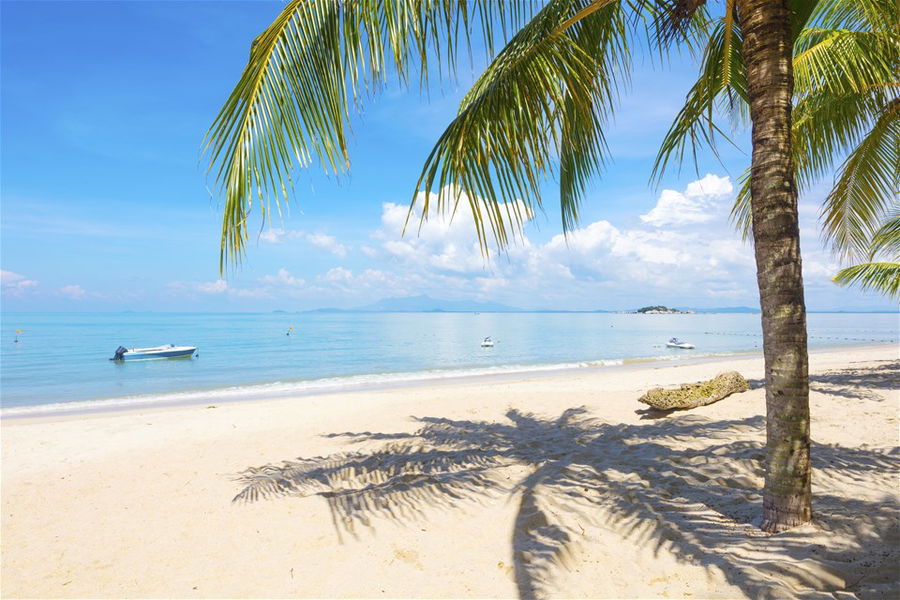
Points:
(62, 359)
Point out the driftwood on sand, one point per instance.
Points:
(692, 395)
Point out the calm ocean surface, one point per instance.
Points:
(61, 360)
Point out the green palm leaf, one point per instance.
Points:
(887, 239)
(291, 106)
(883, 277)
(722, 79)
(843, 61)
(866, 187)
(846, 63)
(544, 98)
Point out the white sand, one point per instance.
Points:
(548, 486)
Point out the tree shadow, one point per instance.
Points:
(862, 383)
(688, 487)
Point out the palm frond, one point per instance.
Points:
(845, 66)
(887, 239)
(854, 14)
(866, 188)
(722, 75)
(544, 98)
(741, 215)
(582, 146)
(844, 61)
(828, 126)
(673, 21)
(882, 277)
(291, 106)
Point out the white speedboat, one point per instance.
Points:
(169, 351)
(487, 342)
(676, 343)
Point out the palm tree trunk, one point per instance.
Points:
(767, 47)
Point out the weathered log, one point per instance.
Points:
(692, 395)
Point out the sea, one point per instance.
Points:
(61, 360)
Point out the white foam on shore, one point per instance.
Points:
(280, 389)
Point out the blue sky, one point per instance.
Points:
(106, 206)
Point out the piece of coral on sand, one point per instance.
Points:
(692, 395)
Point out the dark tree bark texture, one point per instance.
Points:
(767, 47)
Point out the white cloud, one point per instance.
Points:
(328, 243)
(282, 277)
(319, 240)
(216, 287)
(697, 204)
(74, 292)
(710, 185)
(15, 285)
(444, 241)
(278, 235)
(682, 252)
(212, 287)
(818, 267)
(338, 274)
(443, 257)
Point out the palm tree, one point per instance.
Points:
(846, 56)
(540, 105)
(846, 106)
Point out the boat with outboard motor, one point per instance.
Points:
(169, 351)
(487, 342)
(676, 343)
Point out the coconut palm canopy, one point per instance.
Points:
(540, 106)
(846, 115)
(541, 101)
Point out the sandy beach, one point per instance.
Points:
(551, 486)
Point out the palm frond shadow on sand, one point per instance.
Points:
(687, 486)
(854, 383)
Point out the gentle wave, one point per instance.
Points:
(279, 389)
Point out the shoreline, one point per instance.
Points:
(551, 486)
(260, 393)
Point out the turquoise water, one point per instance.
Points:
(61, 360)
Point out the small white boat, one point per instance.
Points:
(676, 343)
(169, 351)
(487, 342)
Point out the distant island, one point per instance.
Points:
(662, 310)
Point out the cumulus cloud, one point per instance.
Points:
(444, 242)
(328, 243)
(319, 240)
(218, 286)
(15, 285)
(338, 274)
(212, 287)
(583, 266)
(282, 277)
(682, 251)
(73, 292)
(697, 204)
(277, 235)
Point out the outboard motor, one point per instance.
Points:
(120, 353)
